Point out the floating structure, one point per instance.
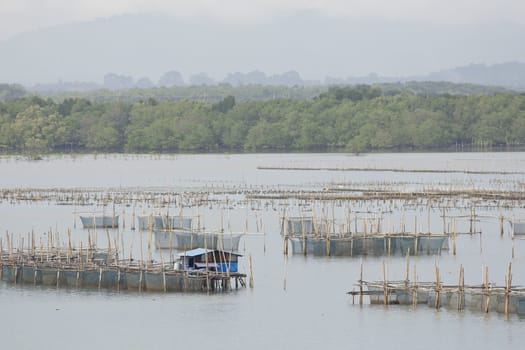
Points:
(211, 259)
(100, 221)
(518, 228)
(183, 239)
(177, 232)
(138, 277)
(164, 222)
(99, 268)
(374, 244)
(309, 238)
(507, 299)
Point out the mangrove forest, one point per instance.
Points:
(339, 118)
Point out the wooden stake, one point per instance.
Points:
(251, 272)
(454, 234)
(385, 285)
(461, 284)
(414, 292)
(508, 285)
(501, 224)
(487, 292)
(438, 286)
(285, 266)
(361, 284)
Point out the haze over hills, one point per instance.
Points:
(299, 48)
(497, 77)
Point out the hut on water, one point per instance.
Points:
(209, 259)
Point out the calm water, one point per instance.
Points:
(300, 303)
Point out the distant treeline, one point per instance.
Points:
(215, 93)
(352, 118)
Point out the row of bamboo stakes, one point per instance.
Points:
(486, 289)
(210, 195)
(323, 227)
(53, 251)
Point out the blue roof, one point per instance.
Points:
(196, 252)
(202, 251)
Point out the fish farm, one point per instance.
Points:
(95, 268)
(200, 237)
(483, 297)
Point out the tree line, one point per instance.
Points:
(352, 118)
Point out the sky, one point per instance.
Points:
(18, 16)
(44, 41)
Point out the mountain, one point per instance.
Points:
(311, 43)
(471, 79)
(510, 75)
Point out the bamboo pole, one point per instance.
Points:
(508, 284)
(444, 221)
(133, 218)
(251, 272)
(1, 259)
(285, 268)
(163, 273)
(264, 236)
(501, 224)
(206, 262)
(428, 219)
(407, 269)
(415, 289)
(438, 286)
(461, 284)
(487, 291)
(361, 284)
(454, 236)
(385, 285)
(415, 235)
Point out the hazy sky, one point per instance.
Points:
(18, 16)
(82, 40)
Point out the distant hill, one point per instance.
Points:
(291, 49)
(510, 75)
(471, 79)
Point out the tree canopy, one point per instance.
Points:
(356, 119)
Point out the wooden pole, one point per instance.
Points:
(471, 228)
(264, 236)
(487, 291)
(428, 219)
(461, 284)
(454, 235)
(438, 286)
(508, 284)
(251, 272)
(133, 218)
(414, 291)
(415, 235)
(501, 224)
(206, 262)
(407, 270)
(164, 273)
(385, 283)
(285, 266)
(444, 221)
(361, 284)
